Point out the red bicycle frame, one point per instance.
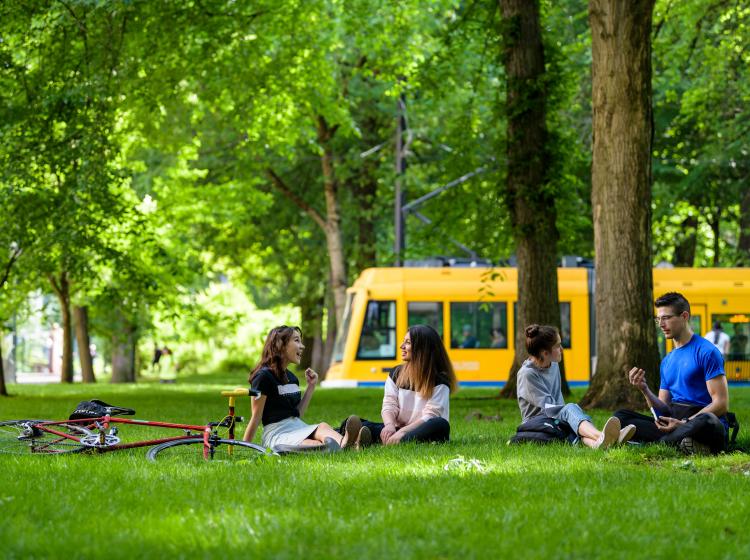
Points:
(102, 424)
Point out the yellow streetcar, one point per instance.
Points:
(473, 309)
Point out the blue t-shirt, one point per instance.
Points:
(685, 370)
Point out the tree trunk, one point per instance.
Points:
(330, 337)
(743, 247)
(311, 322)
(61, 287)
(529, 198)
(123, 355)
(687, 240)
(715, 228)
(621, 199)
(333, 220)
(365, 191)
(3, 388)
(81, 316)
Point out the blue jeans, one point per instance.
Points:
(572, 415)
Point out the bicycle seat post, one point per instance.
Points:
(232, 395)
(231, 415)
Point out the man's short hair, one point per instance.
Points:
(675, 301)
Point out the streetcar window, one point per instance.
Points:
(338, 347)
(425, 313)
(378, 338)
(737, 326)
(695, 324)
(479, 324)
(565, 323)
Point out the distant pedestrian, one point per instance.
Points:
(719, 338)
(155, 365)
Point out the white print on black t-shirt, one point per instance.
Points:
(289, 389)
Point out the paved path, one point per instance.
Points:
(40, 378)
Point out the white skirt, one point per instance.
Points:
(290, 431)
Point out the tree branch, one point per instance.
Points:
(284, 189)
(13, 258)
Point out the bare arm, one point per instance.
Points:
(660, 404)
(257, 406)
(312, 381)
(389, 411)
(401, 432)
(719, 391)
(435, 407)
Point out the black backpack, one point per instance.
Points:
(542, 429)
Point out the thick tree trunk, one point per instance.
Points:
(621, 199)
(365, 193)
(743, 247)
(365, 190)
(686, 243)
(530, 200)
(61, 287)
(81, 316)
(333, 219)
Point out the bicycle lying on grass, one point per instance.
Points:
(97, 432)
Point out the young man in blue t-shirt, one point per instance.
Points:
(690, 410)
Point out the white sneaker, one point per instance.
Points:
(610, 434)
(626, 433)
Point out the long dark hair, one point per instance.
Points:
(540, 338)
(273, 352)
(428, 360)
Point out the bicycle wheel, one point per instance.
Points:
(21, 436)
(191, 450)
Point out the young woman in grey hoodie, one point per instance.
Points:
(539, 391)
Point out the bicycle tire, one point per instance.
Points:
(185, 450)
(16, 439)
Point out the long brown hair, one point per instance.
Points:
(428, 360)
(273, 352)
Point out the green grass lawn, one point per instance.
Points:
(519, 501)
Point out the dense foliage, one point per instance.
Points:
(152, 151)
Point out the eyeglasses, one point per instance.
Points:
(663, 319)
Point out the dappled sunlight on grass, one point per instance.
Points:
(535, 501)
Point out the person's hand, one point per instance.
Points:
(667, 424)
(637, 378)
(387, 431)
(396, 438)
(311, 376)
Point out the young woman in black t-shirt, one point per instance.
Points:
(282, 404)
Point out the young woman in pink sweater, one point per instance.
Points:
(416, 404)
